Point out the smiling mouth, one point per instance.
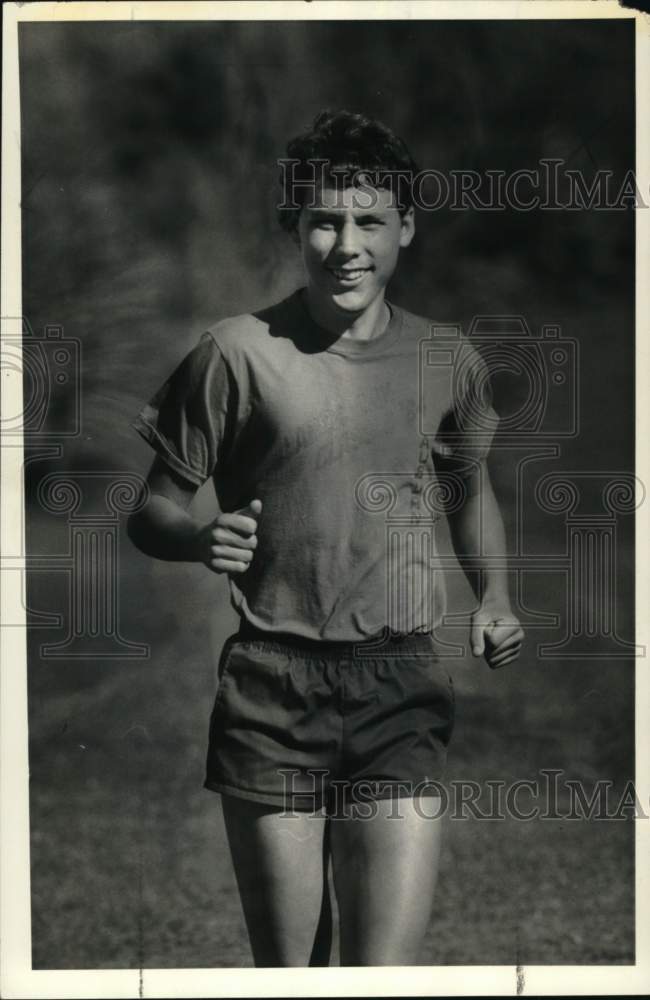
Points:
(348, 274)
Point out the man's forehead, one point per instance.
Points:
(361, 197)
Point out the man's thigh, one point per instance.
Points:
(280, 861)
(385, 865)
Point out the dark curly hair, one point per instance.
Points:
(350, 144)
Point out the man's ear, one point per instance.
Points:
(407, 231)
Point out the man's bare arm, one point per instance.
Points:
(165, 529)
(478, 534)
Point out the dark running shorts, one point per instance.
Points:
(298, 723)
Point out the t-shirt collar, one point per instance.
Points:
(346, 345)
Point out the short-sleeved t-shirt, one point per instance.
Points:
(338, 439)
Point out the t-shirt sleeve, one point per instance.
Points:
(466, 431)
(186, 421)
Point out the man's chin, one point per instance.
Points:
(348, 302)
(352, 301)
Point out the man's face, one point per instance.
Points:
(350, 242)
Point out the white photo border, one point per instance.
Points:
(17, 977)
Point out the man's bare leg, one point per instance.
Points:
(385, 872)
(280, 863)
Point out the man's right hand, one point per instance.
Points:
(227, 545)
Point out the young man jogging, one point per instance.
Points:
(331, 690)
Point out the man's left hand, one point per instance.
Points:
(497, 635)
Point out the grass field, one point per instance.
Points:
(130, 865)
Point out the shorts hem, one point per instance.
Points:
(429, 788)
(264, 798)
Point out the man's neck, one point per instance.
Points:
(362, 326)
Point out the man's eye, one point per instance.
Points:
(323, 225)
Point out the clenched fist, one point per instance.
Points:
(496, 635)
(228, 544)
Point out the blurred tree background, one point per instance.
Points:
(149, 188)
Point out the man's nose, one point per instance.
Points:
(348, 240)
